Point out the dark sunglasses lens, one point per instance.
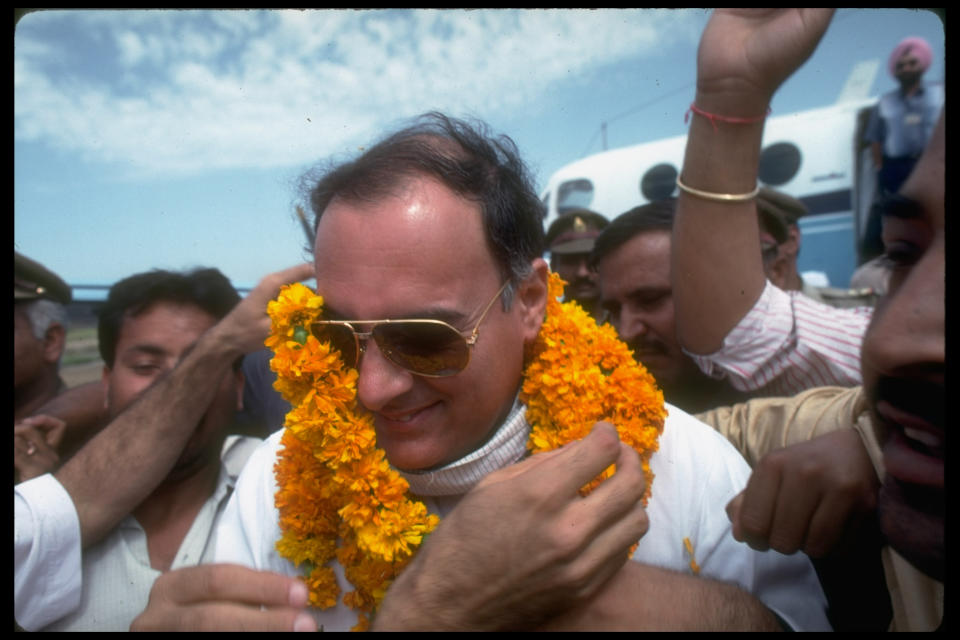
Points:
(423, 347)
(340, 337)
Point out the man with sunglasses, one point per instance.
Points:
(428, 257)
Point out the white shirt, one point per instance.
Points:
(46, 552)
(107, 585)
(788, 343)
(696, 473)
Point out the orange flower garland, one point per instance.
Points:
(338, 496)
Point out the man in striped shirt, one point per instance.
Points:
(730, 318)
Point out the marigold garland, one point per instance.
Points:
(339, 498)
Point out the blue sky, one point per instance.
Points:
(176, 139)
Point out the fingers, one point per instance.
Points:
(569, 467)
(247, 326)
(32, 456)
(223, 617)
(792, 516)
(611, 518)
(578, 463)
(225, 597)
(52, 428)
(804, 497)
(269, 287)
(233, 583)
(757, 507)
(619, 520)
(619, 496)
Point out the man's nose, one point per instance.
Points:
(380, 380)
(631, 326)
(583, 268)
(907, 332)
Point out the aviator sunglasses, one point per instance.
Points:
(426, 347)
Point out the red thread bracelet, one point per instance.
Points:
(712, 117)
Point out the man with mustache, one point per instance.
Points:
(632, 259)
(790, 503)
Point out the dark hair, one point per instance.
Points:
(207, 289)
(653, 216)
(467, 160)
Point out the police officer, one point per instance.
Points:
(780, 243)
(40, 298)
(570, 240)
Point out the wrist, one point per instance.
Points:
(733, 98)
(220, 342)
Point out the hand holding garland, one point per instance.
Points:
(524, 545)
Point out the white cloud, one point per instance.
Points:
(205, 90)
(131, 48)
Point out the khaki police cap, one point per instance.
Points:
(32, 281)
(575, 232)
(777, 212)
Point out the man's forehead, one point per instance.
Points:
(422, 255)
(166, 313)
(645, 246)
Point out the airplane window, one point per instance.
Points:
(574, 194)
(779, 163)
(659, 182)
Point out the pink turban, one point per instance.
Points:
(918, 46)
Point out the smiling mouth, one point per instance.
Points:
(913, 453)
(918, 433)
(403, 417)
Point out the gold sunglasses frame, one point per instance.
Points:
(360, 337)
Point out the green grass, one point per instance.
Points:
(81, 347)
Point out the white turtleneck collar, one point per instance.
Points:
(507, 446)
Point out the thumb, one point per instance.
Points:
(733, 513)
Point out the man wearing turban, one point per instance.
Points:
(901, 124)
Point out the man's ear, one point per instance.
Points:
(777, 272)
(531, 298)
(54, 342)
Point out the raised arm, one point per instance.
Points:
(744, 56)
(125, 461)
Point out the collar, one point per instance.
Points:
(507, 446)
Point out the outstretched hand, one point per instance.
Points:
(523, 544)
(755, 50)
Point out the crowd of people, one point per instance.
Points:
(798, 474)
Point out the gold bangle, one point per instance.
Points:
(719, 197)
